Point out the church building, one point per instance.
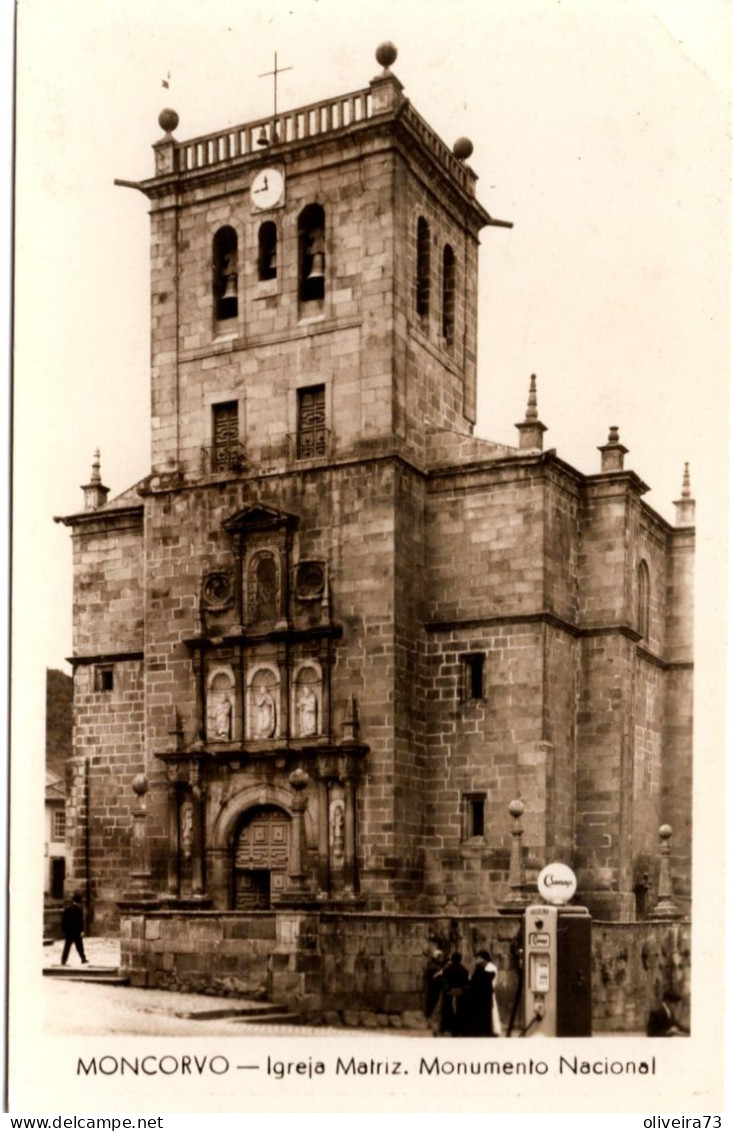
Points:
(333, 635)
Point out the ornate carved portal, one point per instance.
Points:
(261, 854)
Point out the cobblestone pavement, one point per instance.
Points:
(84, 1009)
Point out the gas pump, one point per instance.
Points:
(557, 960)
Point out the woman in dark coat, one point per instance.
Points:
(455, 980)
(478, 1000)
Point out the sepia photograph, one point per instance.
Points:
(369, 537)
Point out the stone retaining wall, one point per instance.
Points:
(368, 969)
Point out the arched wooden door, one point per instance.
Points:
(261, 851)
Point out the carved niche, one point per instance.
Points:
(308, 700)
(220, 704)
(263, 703)
(263, 588)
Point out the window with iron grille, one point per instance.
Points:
(226, 448)
(58, 826)
(312, 422)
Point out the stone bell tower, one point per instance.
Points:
(313, 291)
(313, 285)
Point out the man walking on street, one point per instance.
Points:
(72, 926)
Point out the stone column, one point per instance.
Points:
(198, 795)
(518, 898)
(173, 840)
(297, 883)
(219, 877)
(665, 907)
(349, 838)
(323, 864)
(140, 891)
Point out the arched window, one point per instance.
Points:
(422, 278)
(312, 253)
(642, 599)
(449, 294)
(267, 251)
(225, 274)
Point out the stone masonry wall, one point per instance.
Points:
(368, 970)
(490, 746)
(438, 376)
(500, 541)
(108, 738)
(108, 752)
(108, 577)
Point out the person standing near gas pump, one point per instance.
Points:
(454, 982)
(477, 1006)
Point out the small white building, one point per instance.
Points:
(55, 837)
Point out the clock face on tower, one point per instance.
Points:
(268, 189)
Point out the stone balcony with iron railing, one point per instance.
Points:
(231, 460)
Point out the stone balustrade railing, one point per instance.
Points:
(312, 121)
(294, 125)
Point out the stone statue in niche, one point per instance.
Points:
(220, 707)
(265, 713)
(187, 829)
(307, 706)
(337, 830)
(223, 718)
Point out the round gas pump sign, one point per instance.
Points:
(557, 883)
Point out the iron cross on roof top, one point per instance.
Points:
(277, 71)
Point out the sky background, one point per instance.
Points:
(599, 129)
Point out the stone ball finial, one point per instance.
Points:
(516, 808)
(386, 54)
(463, 148)
(140, 785)
(168, 120)
(299, 779)
(665, 831)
